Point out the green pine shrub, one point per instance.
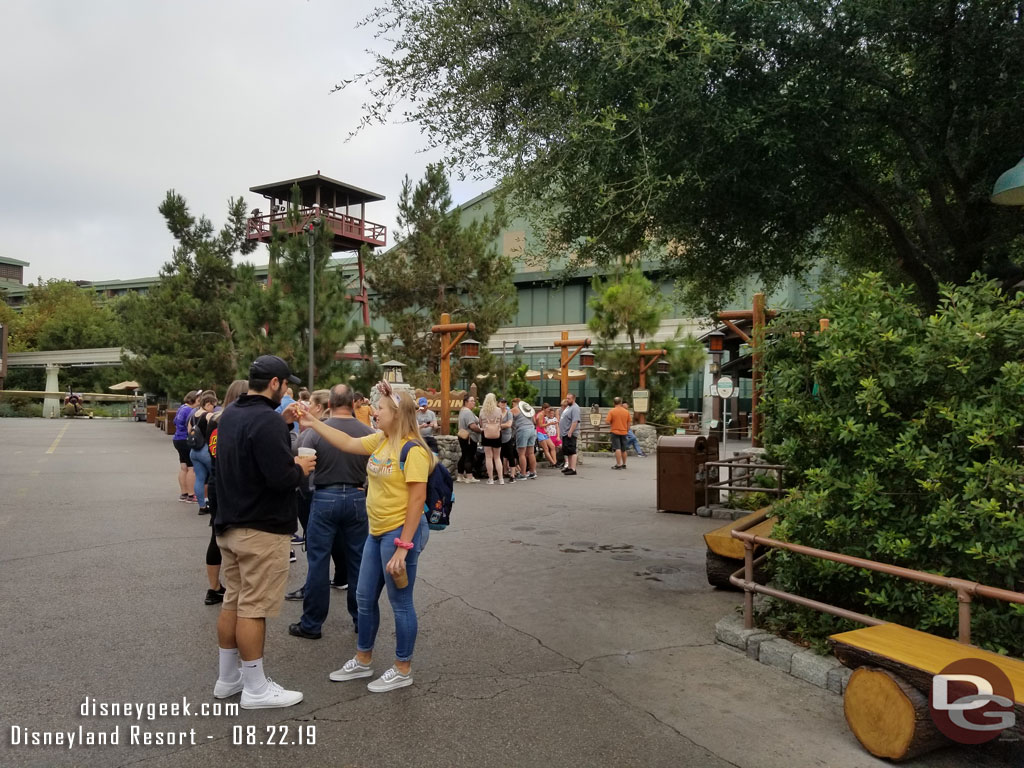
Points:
(901, 430)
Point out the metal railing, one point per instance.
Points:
(965, 590)
(745, 463)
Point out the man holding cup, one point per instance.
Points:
(256, 481)
(338, 511)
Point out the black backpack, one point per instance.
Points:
(440, 492)
(196, 439)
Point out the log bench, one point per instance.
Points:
(886, 702)
(725, 553)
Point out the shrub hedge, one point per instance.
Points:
(902, 430)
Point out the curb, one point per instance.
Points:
(823, 671)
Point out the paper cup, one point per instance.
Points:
(307, 451)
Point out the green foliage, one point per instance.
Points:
(902, 429)
(21, 409)
(742, 138)
(58, 314)
(440, 265)
(179, 329)
(630, 305)
(627, 304)
(519, 387)
(274, 319)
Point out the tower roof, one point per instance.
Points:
(329, 188)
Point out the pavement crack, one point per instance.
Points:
(642, 651)
(504, 623)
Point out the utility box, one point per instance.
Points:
(682, 476)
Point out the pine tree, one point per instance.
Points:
(441, 265)
(178, 331)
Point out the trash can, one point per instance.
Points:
(169, 415)
(151, 414)
(682, 477)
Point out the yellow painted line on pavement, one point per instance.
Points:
(53, 447)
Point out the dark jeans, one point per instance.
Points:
(468, 456)
(336, 513)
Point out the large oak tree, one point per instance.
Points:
(738, 137)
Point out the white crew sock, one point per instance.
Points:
(228, 664)
(253, 679)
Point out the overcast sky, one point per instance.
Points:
(108, 104)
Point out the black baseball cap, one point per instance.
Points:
(272, 366)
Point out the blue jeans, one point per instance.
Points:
(372, 579)
(335, 514)
(632, 442)
(203, 467)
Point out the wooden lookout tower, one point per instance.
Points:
(342, 208)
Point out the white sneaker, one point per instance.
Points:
(501, 481)
(490, 481)
(471, 480)
(352, 670)
(273, 696)
(459, 479)
(390, 680)
(225, 688)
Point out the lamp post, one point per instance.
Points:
(648, 357)
(564, 344)
(516, 350)
(311, 241)
(445, 329)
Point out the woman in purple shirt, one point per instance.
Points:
(186, 480)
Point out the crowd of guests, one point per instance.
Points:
(355, 476)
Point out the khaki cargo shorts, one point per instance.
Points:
(254, 571)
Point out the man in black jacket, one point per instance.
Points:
(256, 480)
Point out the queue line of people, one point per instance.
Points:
(364, 502)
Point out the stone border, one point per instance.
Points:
(823, 671)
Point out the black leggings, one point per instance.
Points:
(468, 455)
(213, 551)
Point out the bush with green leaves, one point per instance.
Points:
(901, 430)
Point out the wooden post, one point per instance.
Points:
(757, 373)
(641, 418)
(565, 366)
(444, 332)
(446, 379)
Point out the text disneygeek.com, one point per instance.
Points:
(22, 735)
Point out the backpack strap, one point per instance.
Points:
(405, 454)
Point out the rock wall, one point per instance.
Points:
(647, 436)
(449, 451)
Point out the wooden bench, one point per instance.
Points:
(886, 702)
(725, 553)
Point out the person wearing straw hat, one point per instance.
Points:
(526, 438)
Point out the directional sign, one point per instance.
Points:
(725, 387)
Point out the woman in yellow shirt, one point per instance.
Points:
(398, 531)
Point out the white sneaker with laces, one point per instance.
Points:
(225, 688)
(273, 696)
(472, 479)
(390, 680)
(352, 670)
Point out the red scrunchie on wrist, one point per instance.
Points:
(403, 544)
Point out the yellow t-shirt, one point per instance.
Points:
(387, 497)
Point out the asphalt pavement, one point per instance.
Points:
(563, 622)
